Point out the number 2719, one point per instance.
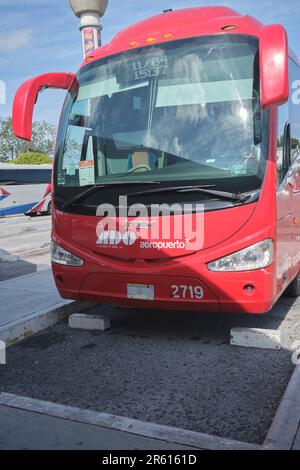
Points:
(187, 292)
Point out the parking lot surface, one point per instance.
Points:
(172, 368)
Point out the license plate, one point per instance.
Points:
(140, 292)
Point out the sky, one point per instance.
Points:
(39, 36)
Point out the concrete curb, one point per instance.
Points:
(7, 282)
(283, 431)
(255, 338)
(126, 425)
(12, 333)
(83, 321)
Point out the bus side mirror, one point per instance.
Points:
(274, 66)
(26, 97)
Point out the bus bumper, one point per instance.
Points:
(251, 292)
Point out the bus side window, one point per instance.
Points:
(283, 143)
(294, 112)
(287, 149)
(295, 145)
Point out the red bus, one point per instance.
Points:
(176, 181)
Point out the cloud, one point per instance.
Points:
(13, 40)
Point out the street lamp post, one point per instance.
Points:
(89, 12)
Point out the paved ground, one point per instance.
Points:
(297, 441)
(22, 297)
(34, 431)
(113, 432)
(171, 368)
(24, 246)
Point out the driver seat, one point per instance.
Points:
(141, 159)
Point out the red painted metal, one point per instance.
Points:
(274, 65)
(26, 96)
(180, 24)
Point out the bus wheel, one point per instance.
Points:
(49, 209)
(294, 288)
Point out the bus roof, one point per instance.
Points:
(178, 24)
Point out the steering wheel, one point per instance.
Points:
(140, 167)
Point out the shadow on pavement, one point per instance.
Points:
(12, 267)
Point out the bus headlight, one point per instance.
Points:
(256, 256)
(61, 256)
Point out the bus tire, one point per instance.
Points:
(49, 209)
(294, 288)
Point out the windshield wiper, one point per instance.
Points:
(235, 197)
(91, 189)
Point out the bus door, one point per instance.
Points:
(295, 181)
(294, 136)
(285, 188)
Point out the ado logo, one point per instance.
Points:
(115, 238)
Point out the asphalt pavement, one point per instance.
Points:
(171, 368)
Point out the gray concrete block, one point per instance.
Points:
(89, 322)
(256, 338)
(2, 353)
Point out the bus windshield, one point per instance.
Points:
(183, 111)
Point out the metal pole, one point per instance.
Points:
(89, 12)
